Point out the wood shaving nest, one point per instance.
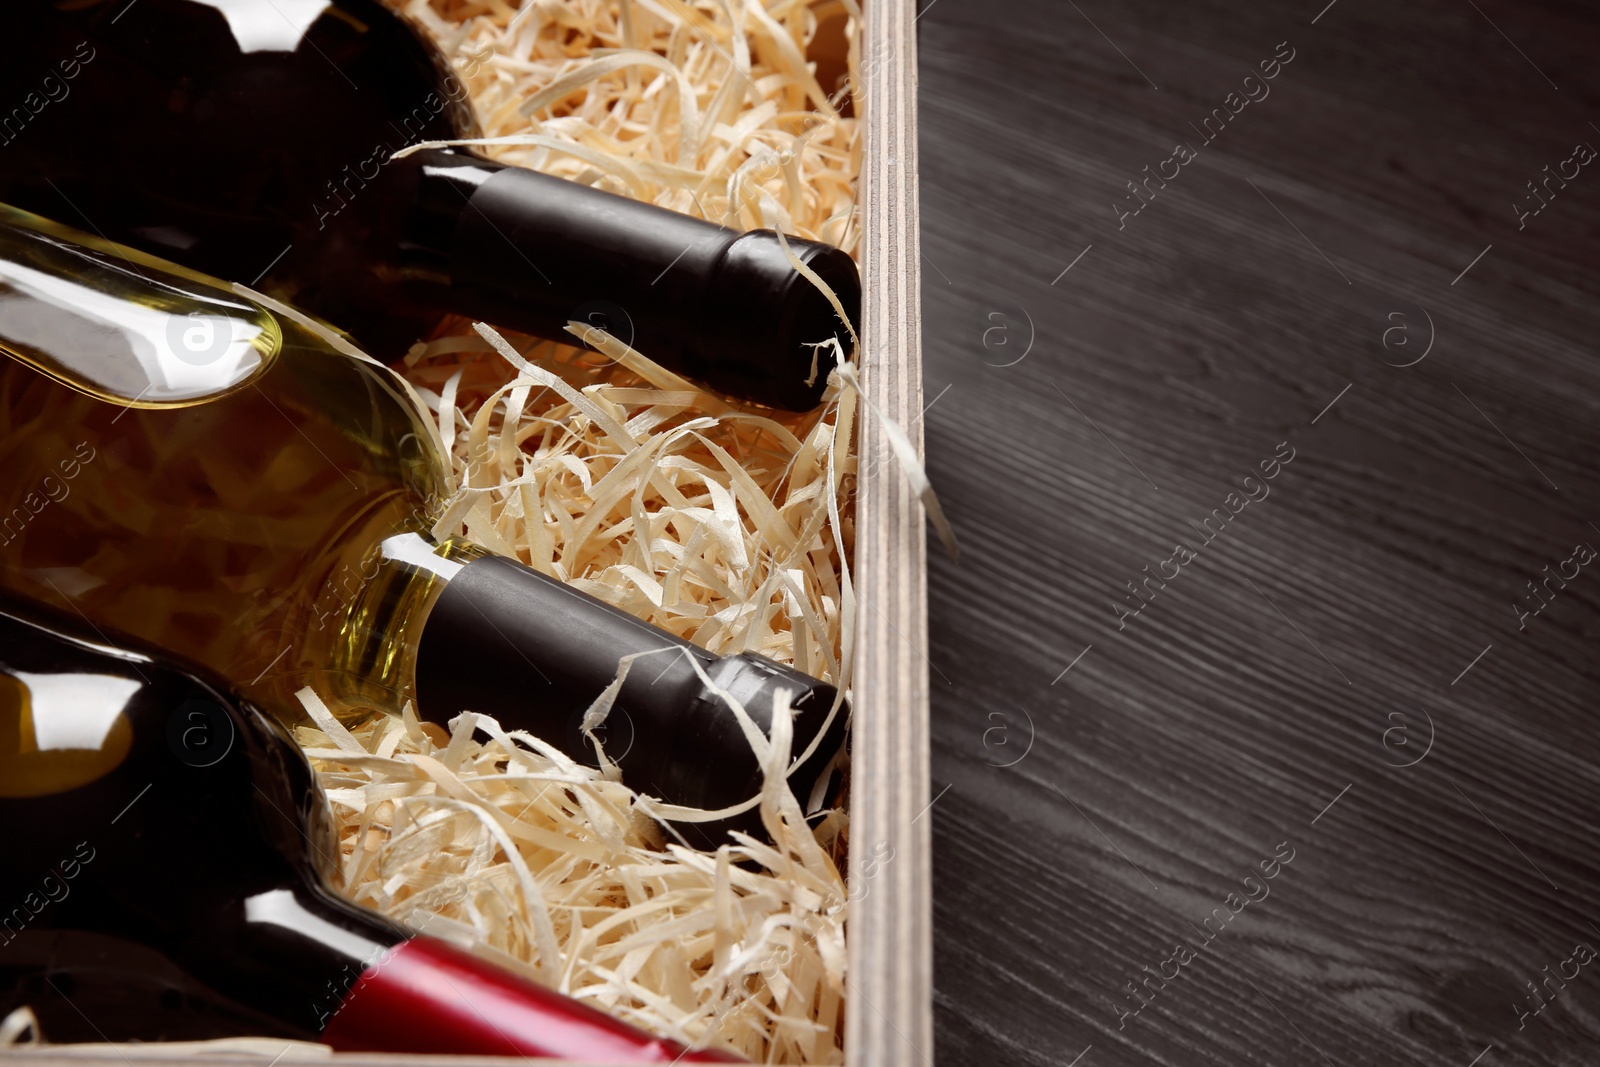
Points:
(728, 526)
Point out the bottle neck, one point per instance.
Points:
(355, 981)
(298, 952)
(425, 996)
(438, 186)
(540, 655)
(374, 614)
(534, 252)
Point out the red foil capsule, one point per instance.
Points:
(425, 996)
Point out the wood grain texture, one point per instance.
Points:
(889, 1018)
(1096, 817)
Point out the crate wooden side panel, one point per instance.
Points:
(890, 1013)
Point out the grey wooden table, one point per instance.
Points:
(1275, 478)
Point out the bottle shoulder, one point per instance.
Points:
(123, 326)
(252, 143)
(191, 854)
(138, 332)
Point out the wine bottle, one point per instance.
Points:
(167, 850)
(182, 464)
(253, 140)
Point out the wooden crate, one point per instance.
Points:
(890, 934)
(890, 937)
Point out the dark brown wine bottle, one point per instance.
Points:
(252, 141)
(166, 853)
(185, 465)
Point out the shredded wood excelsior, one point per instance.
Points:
(728, 526)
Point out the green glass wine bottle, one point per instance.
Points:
(254, 139)
(167, 856)
(180, 463)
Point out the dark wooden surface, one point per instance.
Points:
(1358, 619)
